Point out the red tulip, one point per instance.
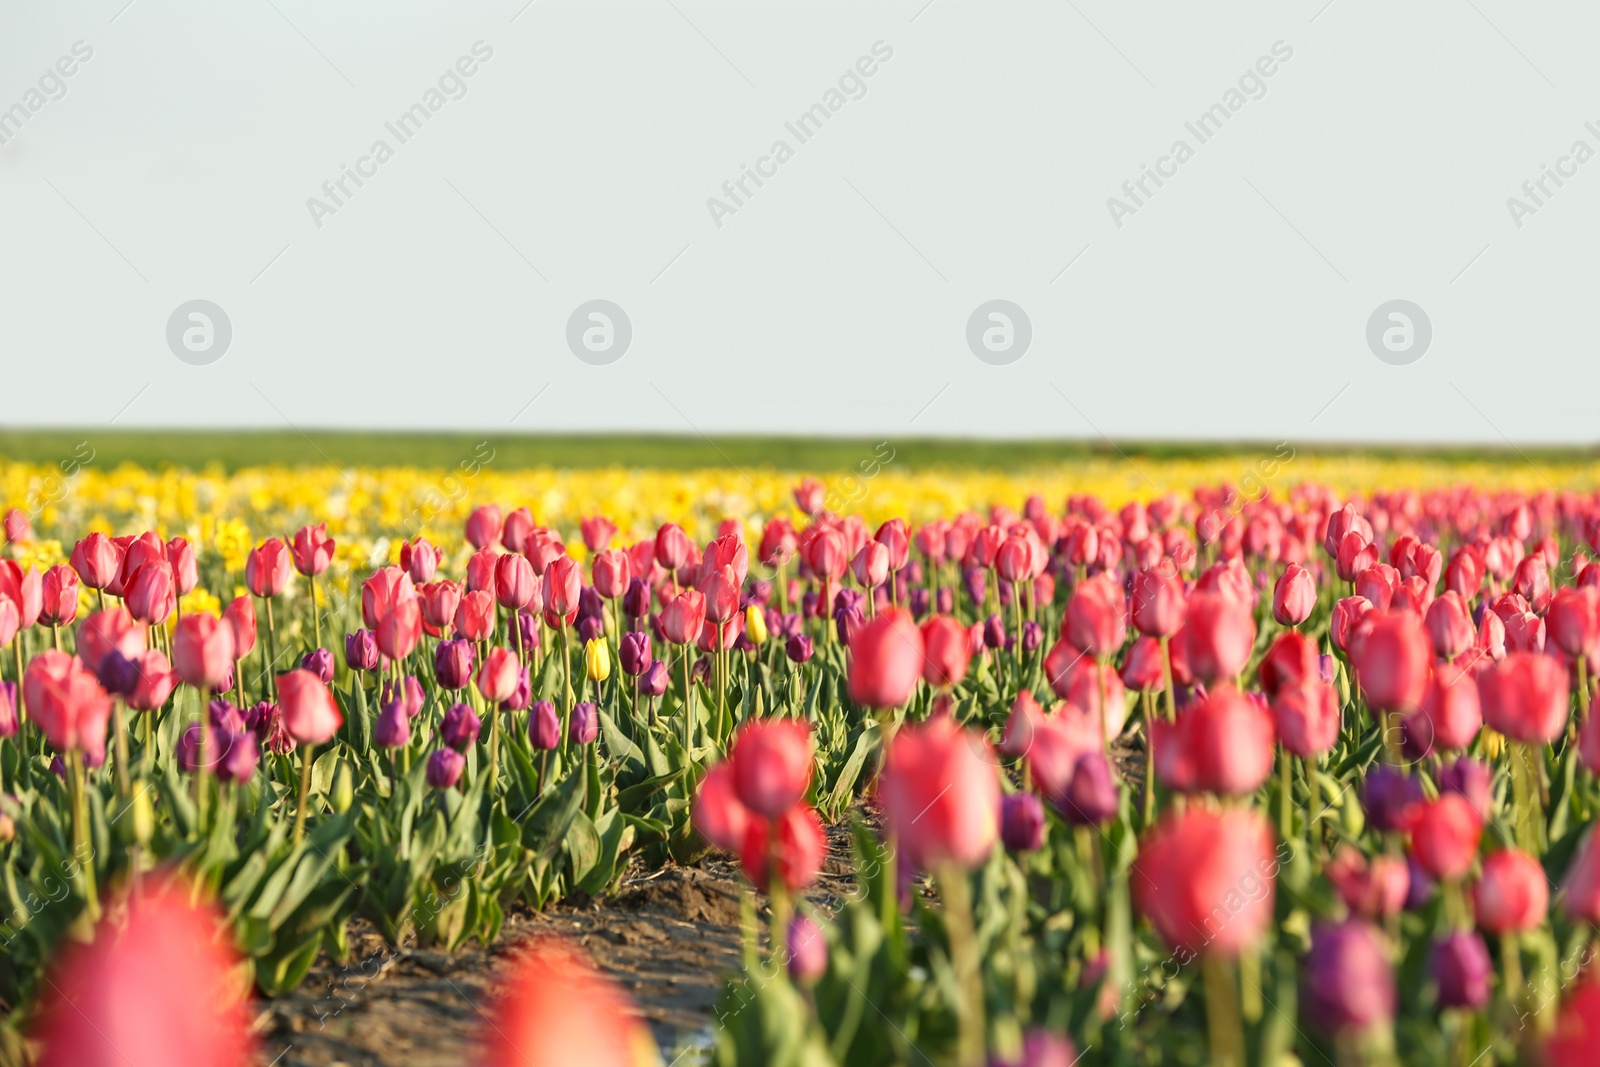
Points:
(154, 681)
(727, 551)
(1356, 554)
(1292, 659)
(514, 581)
(683, 616)
(136, 552)
(1449, 624)
(1157, 605)
(1574, 621)
(18, 529)
(1452, 707)
(266, 568)
(1376, 890)
(1445, 835)
(439, 602)
(59, 596)
(555, 1007)
(947, 652)
(1511, 894)
(771, 761)
(941, 794)
(778, 543)
(1197, 860)
(1576, 1033)
(185, 568)
(1580, 888)
(1306, 716)
(1464, 575)
(597, 533)
(1077, 679)
(886, 660)
(499, 674)
(1525, 697)
(717, 813)
(313, 549)
(152, 593)
(824, 549)
(157, 986)
(420, 559)
(611, 572)
(672, 546)
(483, 526)
(892, 535)
(1347, 615)
(400, 630)
(1294, 597)
(66, 701)
(103, 632)
(871, 565)
(542, 548)
(202, 650)
(1392, 657)
(240, 616)
(1017, 737)
(721, 590)
(797, 855)
(518, 525)
(1532, 582)
(24, 591)
(381, 591)
(1096, 617)
(97, 560)
(1220, 744)
(1219, 632)
(563, 583)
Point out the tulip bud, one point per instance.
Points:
(597, 660)
(1294, 597)
(808, 950)
(798, 648)
(444, 768)
(544, 725)
(319, 661)
(655, 680)
(1348, 983)
(344, 790)
(361, 650)
(1022, 824)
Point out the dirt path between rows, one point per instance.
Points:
(670, 937)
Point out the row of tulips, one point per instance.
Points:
(1254, 741)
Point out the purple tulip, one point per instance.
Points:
(636, 600)
(1419, 891)
(919, 602)
(994, 631)
(409, 696)
(444, 768)
(1022, 822)
(361, 650)
(848, 620)
(633, 654)
(1460, 964)
(1389, 798)
(528, 632)
(590, 627)
(319, 661)
(118, 673)
(760, 593)
(460, 727)
(393, 728)
(1092, 798)
(544, 725)
(1348, 983)
(654, 681)
(976, 580)
(224, 716)
(590, 604)
(799, 648)
(945, 601)
(453, 662)
(1472, 780)
(585, 723)
(240, 754)
(808, 950)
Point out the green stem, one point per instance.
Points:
(305, 793)
(957, 892)
(1224, 1027)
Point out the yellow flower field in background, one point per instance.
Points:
(369, 511)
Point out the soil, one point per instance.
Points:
(670, 936)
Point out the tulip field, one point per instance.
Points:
(1231, 760)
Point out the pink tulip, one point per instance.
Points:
(1192, 861)
(313, 549)
(104, 632)
(97, 560)
(771, 764)
(941, 795)
(156, 986)
(240, 615)
(563, 582)
(886, 660)
(610, 572)
(1512, 893)
(66, 701)
(1524, 697)
(499, 674)
(483, 526)
(59, 596)
(380, 592)
(202, 650)
(267, 568)
(1219, 632)
(310, 714)
(1294, 597)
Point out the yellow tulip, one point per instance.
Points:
(755, 625)
(597, 659)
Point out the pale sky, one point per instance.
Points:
(957, 153)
